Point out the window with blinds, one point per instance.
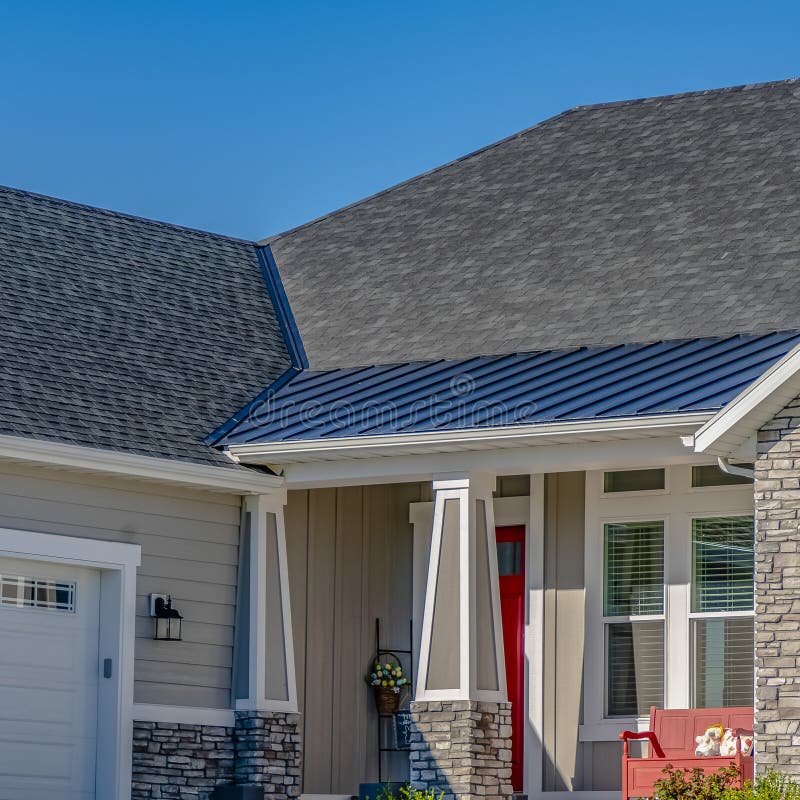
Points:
(634, 590)
(723, 662)
(634, 568)
(722, 611)
(722, 564)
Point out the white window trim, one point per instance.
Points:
(676, 507)
(117, 563)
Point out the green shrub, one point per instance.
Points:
(773, 786)
(407, 793)
(684, 784)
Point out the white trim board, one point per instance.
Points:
(117, 563)
(459, 440)
(654, 451)
(184, 715)
(731, 429)
(113, 462)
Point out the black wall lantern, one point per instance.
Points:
(166, 619)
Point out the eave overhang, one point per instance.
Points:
(732, 432)
(44, 453)
(515, 436)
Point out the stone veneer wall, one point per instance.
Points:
(777, 598)
(187, 762)
(180, 761)
(269, 752)
(463, 748)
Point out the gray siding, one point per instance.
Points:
(568, 763)
(189, 543)
(350, 562)
(563, 650)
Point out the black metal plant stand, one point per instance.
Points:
(386, 730)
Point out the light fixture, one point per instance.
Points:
(166, 619)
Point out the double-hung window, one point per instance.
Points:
(722, 611)
(633, 615)
(669, 579)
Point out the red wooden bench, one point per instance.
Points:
(671, 740)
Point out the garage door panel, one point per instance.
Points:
(36, 705)
(48, 687)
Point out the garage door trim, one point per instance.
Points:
(117, 563)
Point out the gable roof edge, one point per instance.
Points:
(738, 423)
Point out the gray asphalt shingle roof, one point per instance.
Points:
(122, 333)
(638, 221)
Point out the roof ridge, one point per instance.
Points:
(122, 215)
(524, 132)
(742, 87)
(414, 178)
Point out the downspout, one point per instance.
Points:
(732, 469)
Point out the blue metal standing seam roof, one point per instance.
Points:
(523, 388)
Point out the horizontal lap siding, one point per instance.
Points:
(189, 542)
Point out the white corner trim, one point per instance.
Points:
(112, 462)
(184, 715)
(444, 441)
(730, 428)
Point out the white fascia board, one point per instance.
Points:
(162, 470)
(300, 451)
(729, 431)
(559, 456)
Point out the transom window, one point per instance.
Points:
(25, 592)
(669, 577)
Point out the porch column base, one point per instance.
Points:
(462, 748)
(268, 752)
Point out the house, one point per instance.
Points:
(530, 417)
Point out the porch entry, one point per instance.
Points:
(511, 571)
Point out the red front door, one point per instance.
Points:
(511, 568)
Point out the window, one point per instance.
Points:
(669, 606)
(722, 611)
(711, 475)
(633, 614)
(634, 480)
(22, 592)
(509, 558)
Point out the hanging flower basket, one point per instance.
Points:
(386, 679)
(387, 701)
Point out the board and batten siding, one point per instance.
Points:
(569, 764)
(350, 562)
(189, 542)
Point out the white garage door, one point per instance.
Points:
(49, 622)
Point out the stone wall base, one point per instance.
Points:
(187, 762)
(462, 748)
(184, 762)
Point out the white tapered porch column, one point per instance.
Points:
(462, 740)
(266, 688)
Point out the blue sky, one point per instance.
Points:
(247, 118)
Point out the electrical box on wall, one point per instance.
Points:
(153, 598)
